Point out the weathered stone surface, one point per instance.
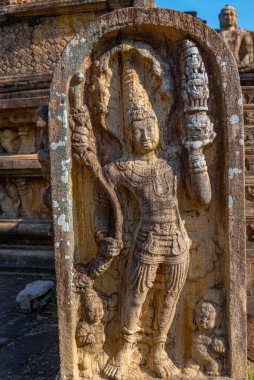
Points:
(248, 104)
(139, 110)
(34, 295)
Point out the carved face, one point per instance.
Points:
(228, 17)
(145, 135)
(94, 315)
(206, 317)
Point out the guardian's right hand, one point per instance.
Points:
(109, 247)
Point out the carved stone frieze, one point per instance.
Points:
(250, 232)
(250, 301)
(10, 141)
(250, 192)
(137, 166)
(249, 161)
(24, 217)
(28, 49)
(250, 281)
(249, 117)
(249, 183)
(249, 144)
(19, 133)
(248, 94)
(249, 214)
(9, 200)
(22, 197)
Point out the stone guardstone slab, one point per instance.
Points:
(146, 145)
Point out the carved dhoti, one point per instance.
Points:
(164, 245)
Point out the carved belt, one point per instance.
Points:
(157, 259)
(166, 205)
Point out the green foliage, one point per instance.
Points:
(250, 370)
(51, 311)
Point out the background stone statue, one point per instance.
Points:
(238, 40)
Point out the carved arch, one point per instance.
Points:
(173, 26)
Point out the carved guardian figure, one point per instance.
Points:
(160, 242)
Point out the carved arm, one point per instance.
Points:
(197, 129)
(219, 346)
(198, 134)
(83, 143)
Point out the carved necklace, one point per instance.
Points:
(141, 173)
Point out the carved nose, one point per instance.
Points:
(144, 137)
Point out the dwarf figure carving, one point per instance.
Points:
(160, 243)
(238, 40)
(208, 344)
(90, 333)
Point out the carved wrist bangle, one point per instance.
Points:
(198, 163)
(199, 170)
(159, 339)
(129, 335)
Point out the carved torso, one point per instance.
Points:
(161, 236)
(154, 185)
(237, 39)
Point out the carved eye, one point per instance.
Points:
(137, 132)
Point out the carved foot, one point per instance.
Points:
(212, 369)
(161, 364)
(118, 365)
(192, 369)
(212, 373)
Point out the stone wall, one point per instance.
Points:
(248, 106)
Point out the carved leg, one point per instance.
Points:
(212, 368)
(137, 289)
(117, 366)
(159, 362)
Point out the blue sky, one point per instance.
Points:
(209, 10)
